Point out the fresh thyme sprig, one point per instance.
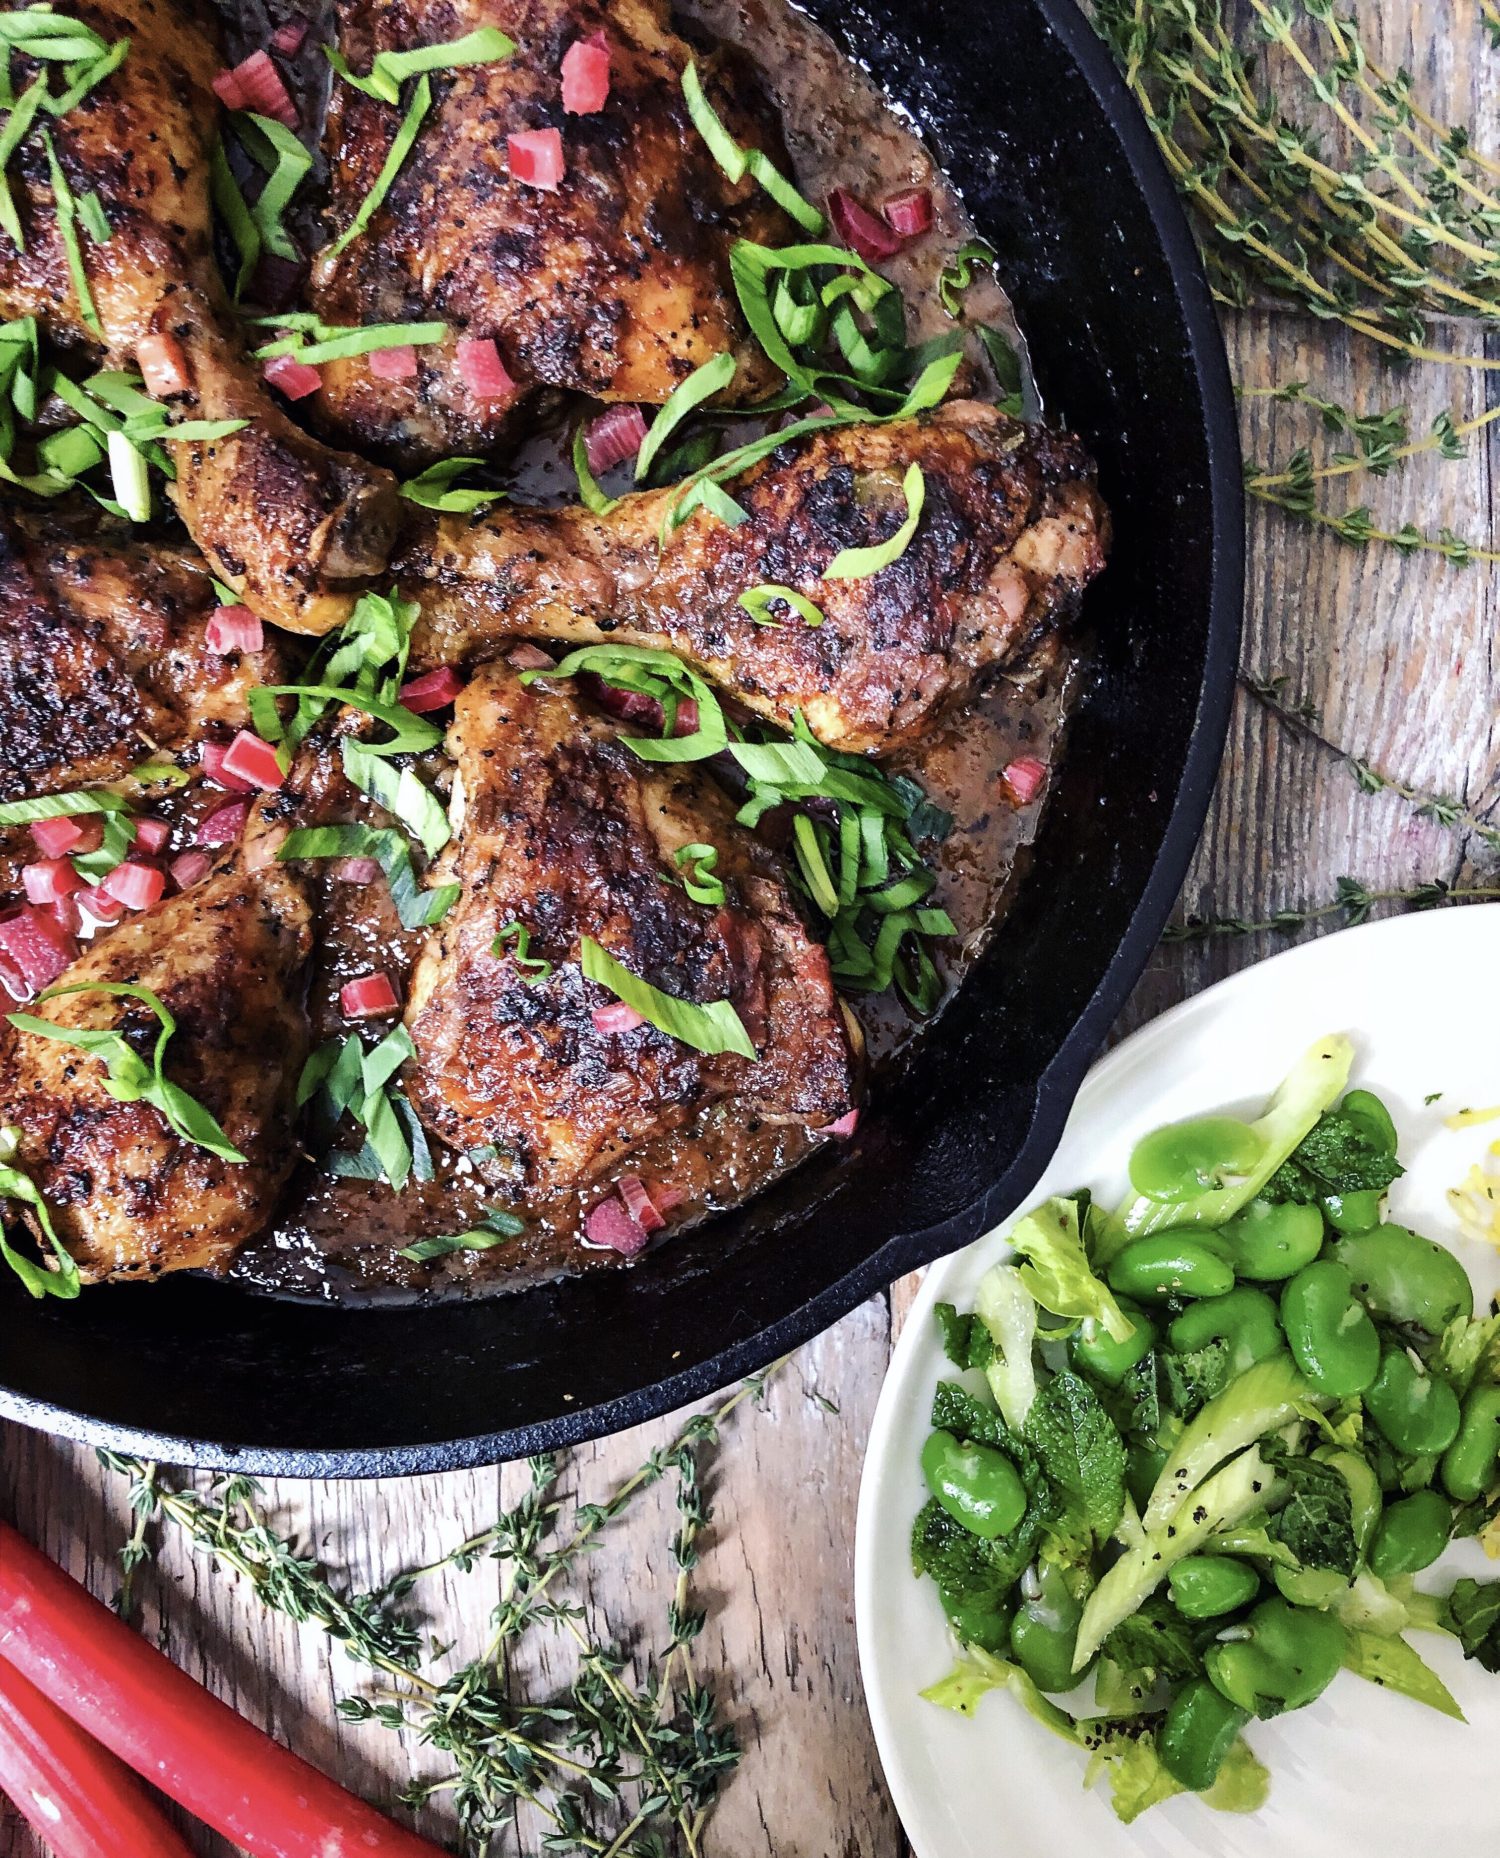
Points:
(1352, 900)
(1320, 180)
(1302, 718)
(615, 1766)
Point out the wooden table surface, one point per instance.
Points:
(1399, 658)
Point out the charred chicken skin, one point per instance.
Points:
(1011, 532)
(296, 527)
(131, 1198)
(614, 282)
(567, 834)
(103, 660)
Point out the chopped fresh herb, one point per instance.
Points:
(353, 1078)
(858, 564)
(417, 907)
(698, 879)
(333, 342)
(656, 674)
(958, 274)
(590, 495)
(95, 219)
(286, 163)
(390, 70)
(67, 231)
(737, 162)
(710, 1029)
(15, 1184)
(401, 146)
(514, 939)
(130, 1079)
(494, 1230)
(58, 806)
(713, 377)
(436, 488)
(758, 602)
(1006, 363)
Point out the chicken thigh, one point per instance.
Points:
(567, 834)
(1012, 530)
(294, 526)
(614, 282)
(129, 1196)
(103, 660)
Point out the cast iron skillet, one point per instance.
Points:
(1036, 129)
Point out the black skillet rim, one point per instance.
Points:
(1057, 1085)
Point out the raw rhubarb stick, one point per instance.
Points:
(225, 1771)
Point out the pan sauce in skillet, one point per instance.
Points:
(340, 1238)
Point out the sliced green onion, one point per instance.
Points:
(658, 674)
(22, 115)
(89, 78)
(758, 601)
(94, 219)
(736, 162)
(958, 273)
(487, 45)
(497, 1228)
(40, 33)
(286, 163)
(234, 210)
(435, 489)
(698, 879)
(814, 865)
(67, 231)
(857, 564)
(130, 1080)
(702, 384)
(514, 939)
(381, 1063)
(55, 806)
(710, 1029)
(417, 907)
(707, 493)
(131, 480)
(15, 1184)
(401, 147)
(399, 793)
(1007, 366)
(783, 763)
(338, 344)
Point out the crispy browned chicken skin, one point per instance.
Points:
(569, 833)
(1012, 532)
(294, 525)
(103, 663)
(615, 284)
(129, 1197)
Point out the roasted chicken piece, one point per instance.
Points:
(130, 1197)
(614, 282)
(566, 833)
(103, 661)
(297, 527)
(1011, 532)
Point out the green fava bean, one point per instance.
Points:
(1406, 1279)
(1044, 1635)
(1204, 1586)
(1186, 1159)
(1331, 1335)
(983, 1622)
(1414, 1410)
(1269, 1243)
(1286, 1657)
(1197, 1733)
(1356, 1212)
(1094, 1348)
(1244, 1318)
(978, 1486)
(1412, 1534)
(1469, 1464)
(1366, 1109)
(1170, 1265)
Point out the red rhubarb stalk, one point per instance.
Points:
(77, 1798)
(135, 1701)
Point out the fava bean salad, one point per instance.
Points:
(1199, 1448)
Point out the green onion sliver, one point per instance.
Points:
(758, 601)
(857, 564)
(67, 230)
(590, 495)
(498, 1227)
(514, 939)
(487, 45)
(286, 162)
(736, 162)
(436, 489)
(710, 1029)
(813, 865)
(698, 878)
(336, 344)
(401, 147)
(702, 384)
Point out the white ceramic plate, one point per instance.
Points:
(1362, 1772)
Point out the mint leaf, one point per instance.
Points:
(1081, 1452)
(1317, 1524)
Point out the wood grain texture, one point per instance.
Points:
(1400, 659)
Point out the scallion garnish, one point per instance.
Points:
(858, 564)
(958, 274)
(391, 69)
(590, 495)
(17, 1185)
(130, 1079)
(655, 674)
(401, 146)
(67, 230)
(713, 377)
(287, 163)
(758, 602)
(710, 1029)
(22, 116)
(698, 878)
(418, 908)
(436, 488)
(94, 219)
(737, 162)
(233, 208)
(335, 343)
(514, 939)
(355, 1078)
(495, 1229)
